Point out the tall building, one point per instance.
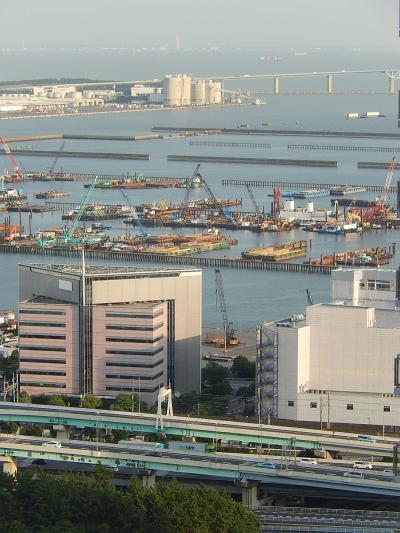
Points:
(335, 363)
(110, 330)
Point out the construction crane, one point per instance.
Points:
(252, 198)
(134, 216)
(386, 188)
(230, 338)
(7, 150)
(53, 165)
(277, 205)
(196, 177)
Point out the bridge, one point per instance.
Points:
(390, 73)
(182, 427)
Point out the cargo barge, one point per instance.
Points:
(311, 193)
(347, 189)
(284, 252)
(372, 257)
(51, 194)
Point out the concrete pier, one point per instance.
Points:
(276, 85)
(91, 155)
(392, 85)
(299, 184)
(255, 161)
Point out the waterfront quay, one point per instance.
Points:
(211, 262)
(298, 184)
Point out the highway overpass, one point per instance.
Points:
(212, 430)
(247, 473)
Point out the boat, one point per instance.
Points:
(339, 229)
(311, 193)
(283, 252)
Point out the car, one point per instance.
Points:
(39, 462)
(363, 465)
(353, 474)
(366, 438)
(55, 443)
(267, 464)
(112, 467)
(308, 461)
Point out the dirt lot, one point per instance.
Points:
(247, 346)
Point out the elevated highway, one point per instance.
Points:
(246, 473)
(212, 430)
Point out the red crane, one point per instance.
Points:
(16, 167)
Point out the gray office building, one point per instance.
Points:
(109, 330)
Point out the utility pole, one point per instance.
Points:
(132, 396)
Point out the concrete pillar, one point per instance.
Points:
(391, 85)
(329, 84)
(9, 466)
(62, 432)
(276, 85)
(250, 495)
(148, 478)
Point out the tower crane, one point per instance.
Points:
(134, 216)
(7, 150)
(230, 338)
(53, 165)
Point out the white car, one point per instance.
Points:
(363, 465)
(308, 461)
(55, 443)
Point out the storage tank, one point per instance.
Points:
(310, 207)
(289, 205)
(209, 91)
(172, 91)
(217, 92)
(198, 92)
(186, 89)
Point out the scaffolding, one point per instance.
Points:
(267, 372)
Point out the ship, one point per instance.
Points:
(339, 228)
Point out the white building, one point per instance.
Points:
(335, 363)
(303, 214)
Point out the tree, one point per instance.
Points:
(24, 397)
(56, 399)
(123, 402)
(243, 368)
(9, 365)
(214, 373)
(91, 402)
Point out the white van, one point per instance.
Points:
(363, 465)
(308, 461)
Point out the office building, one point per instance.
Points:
(335, 363)
(109, 331)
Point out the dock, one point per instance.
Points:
(205, 262)
(254, 161)
(371, 164)
(298, 184)
(342, 148)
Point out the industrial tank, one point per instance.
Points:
(186, 89)
(198, 92)
(173, 91)
(213, 92)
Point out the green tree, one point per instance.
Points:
(214, 373)
(91, 402)
(243, 368)
(123, 402)
(9, 365)
(245, 392)
(24, 397)
(8, 427)
(56, 399)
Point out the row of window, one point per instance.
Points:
(38, 336)
(43, 384)
(43, 373)
(43, 348)
(123, 388)
(42, 360)
(133, 315)
(126, 327)
(349, 406)
(375, 285)
(40, 312)
(134, 352)
(42, 324)
(127, 364)
(131, 377)
(135, 339)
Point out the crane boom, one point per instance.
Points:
(7, 149)
(388, 181)
(252, 198)
(134, 214)
(80, 212)
(219, 292)
(189, 184)
(53, 165)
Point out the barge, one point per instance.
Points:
(283, 252)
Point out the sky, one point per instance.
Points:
(199, 23)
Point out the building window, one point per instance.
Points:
(386, 408)
(43, 348)
(122, 388)
(313, 405)
(134, 352)
(37, 336)
(45, 361)
(43, 373)
(133, 315)
(38, 384)
(42, 324)
(375, 285)
(290, 403)
(349, 406)
(128, 364)
(40, 312)
(136, 377)
(127, 327)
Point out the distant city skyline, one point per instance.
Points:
(179, 24)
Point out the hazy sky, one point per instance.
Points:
(199, 23)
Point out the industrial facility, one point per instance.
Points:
(335, 363)
(109, 330)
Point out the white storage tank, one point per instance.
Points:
(289, 205)
(173, 91)
(198, 92)
(217, 92)
(186, 89)
(310, 207)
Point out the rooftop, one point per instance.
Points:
(106, 271)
